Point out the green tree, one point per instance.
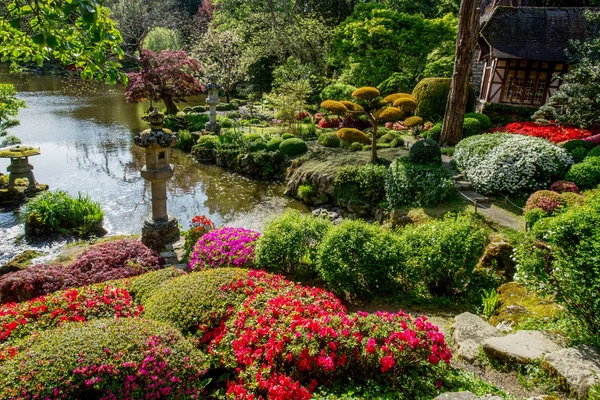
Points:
(428, 8)
(9, 108)
(76, 33)
(376, 42)
(289, 99)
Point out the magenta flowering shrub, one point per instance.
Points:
(564, 187)
(546, 200)
(224, 247)
(100, 263)
(128, 358)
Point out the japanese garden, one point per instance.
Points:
(300, 199)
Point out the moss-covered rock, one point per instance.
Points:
(19, 151)
(19, 262)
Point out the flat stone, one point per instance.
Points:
(577, 368)
(470, 331)
(457, 396)
(522, 347)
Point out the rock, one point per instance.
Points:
(577, 368)
(491, 397)
(516, 304)
(470, 331)
(498, 257)
(20, 261)
(457, 396)
(522, 347)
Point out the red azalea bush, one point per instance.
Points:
(595, 139)
(107, 359)
(545, 200)
(318, 117)
(224, 247)
(301, 115)
(554, 133)
(201, 224)
(332, 122)
(21, 319)
(564, 186)
(100, 263)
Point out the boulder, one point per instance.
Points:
(577, 368)
(457, 396)
(469, 332)
(522, 347)
(516, 304)
(498, 256)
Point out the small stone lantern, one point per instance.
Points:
(212, 101)
(159, 229)
(19, 164)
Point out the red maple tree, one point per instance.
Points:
(170, 76)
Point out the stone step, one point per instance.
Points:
(474, 196)
(462, 185)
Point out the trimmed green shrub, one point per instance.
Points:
(106, 358)
(207, 142)
(441, 254)
(288, 136)
(58, 212)
(360, 185)
(353, 135)
(274, 143)
(338, 91)
(507, 163)
(224, 122)
(293, 147)
(595, 152)
(289, 243)
(144, 286)
(197, 122)
(425, 151)
(534, 215)
(329, 140)
(226, 107)
(387, 138)
(416, 185)
(356, 146)
(435, 132)
(586, 174)
(432, 97)
(344, 144)
(484, 121)
(578, 149)
(398, 142)
(357, 259)
(195, 299)
(249, 137)
(254, 142)
(471, 127)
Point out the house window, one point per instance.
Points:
(526, 82)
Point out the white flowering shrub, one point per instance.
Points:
(507, 163)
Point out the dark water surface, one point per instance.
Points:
(86, 144)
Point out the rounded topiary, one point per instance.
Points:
(564, 187)
(594, 152)
(287, 136)
(334, 107)
(207, 142)
(352, 106)
(144, 286)
(274, 143)
(425, 151)
(572, 199)
(578, 149)
(127, 358)
(411, 122)
(366, 93)
(406, 105)
(329, 140)
(387, 138)
(432, 97)
(484, 120)
(352, 135)
(397, 142)
(435, 132)
(293, 147)
(391, 114)
(392, 98)
(546, 200)
(586, 174)
(471, 127)
(249, 137)
(356, 147)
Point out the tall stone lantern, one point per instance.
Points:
(212, 101)
(160, 228)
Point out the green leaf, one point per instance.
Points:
(38, 39)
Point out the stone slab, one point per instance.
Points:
(578, 368)
(469, 332)
(457, 396)
(523, 347)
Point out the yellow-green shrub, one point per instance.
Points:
(334, 107)
(391, 114)
(406, 105)
(432, 96)
(352, 135)
(412, 122)
(366, 93)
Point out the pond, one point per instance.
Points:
(86, 144)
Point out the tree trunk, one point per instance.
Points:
(374, 159)
(227, 95)
(172, 108)
(468, 30)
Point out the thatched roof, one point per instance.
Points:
(534, 33)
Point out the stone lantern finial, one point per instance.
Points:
(213, 100)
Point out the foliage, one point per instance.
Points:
(442, 254)
(289, 243)
(425, 152)
(144, 286)
(10, 140)
(375, 42)
(57, 212)
(338, 91)
(564, 187)
(358, 259)
(293, 147)
(76, 33)
(435, 132)
(432, 97)
(170, 76)
(159, 39)
(508, 163)
(329, 139)
(471, 127)
(554, 133)
(417, 185)
(289, 99)
(9, 109)
(185, 141)
(578, 149)
(546, 200)
(353, 135)
(207, 142)
(125, 358)
(274, 143)
(224, 247)
(360, 185)
(100, 263)
(501, 114)
(586, 174)
(356, 146)
(200, 225)
(490, 302)
(484, 121)
(197, 122)
(19, 320)
(413, 122)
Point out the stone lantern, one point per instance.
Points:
(212, 101)
(19, 164)
(160, 228)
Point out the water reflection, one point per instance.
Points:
(86, 144)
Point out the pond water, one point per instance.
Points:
(86, 144)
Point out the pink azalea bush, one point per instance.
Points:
(546, 200)
(224, 247)
(564, 187)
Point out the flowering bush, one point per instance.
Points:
(301, 115)
(100, 263)
(331, 122)
(564, 186)
(200, 225)
(144, 286)
(595, 139)
(317, 117)
(21, 319)
(546, 200)
(109, 359)
(225, 247)
(508, 163)
(554, 133)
